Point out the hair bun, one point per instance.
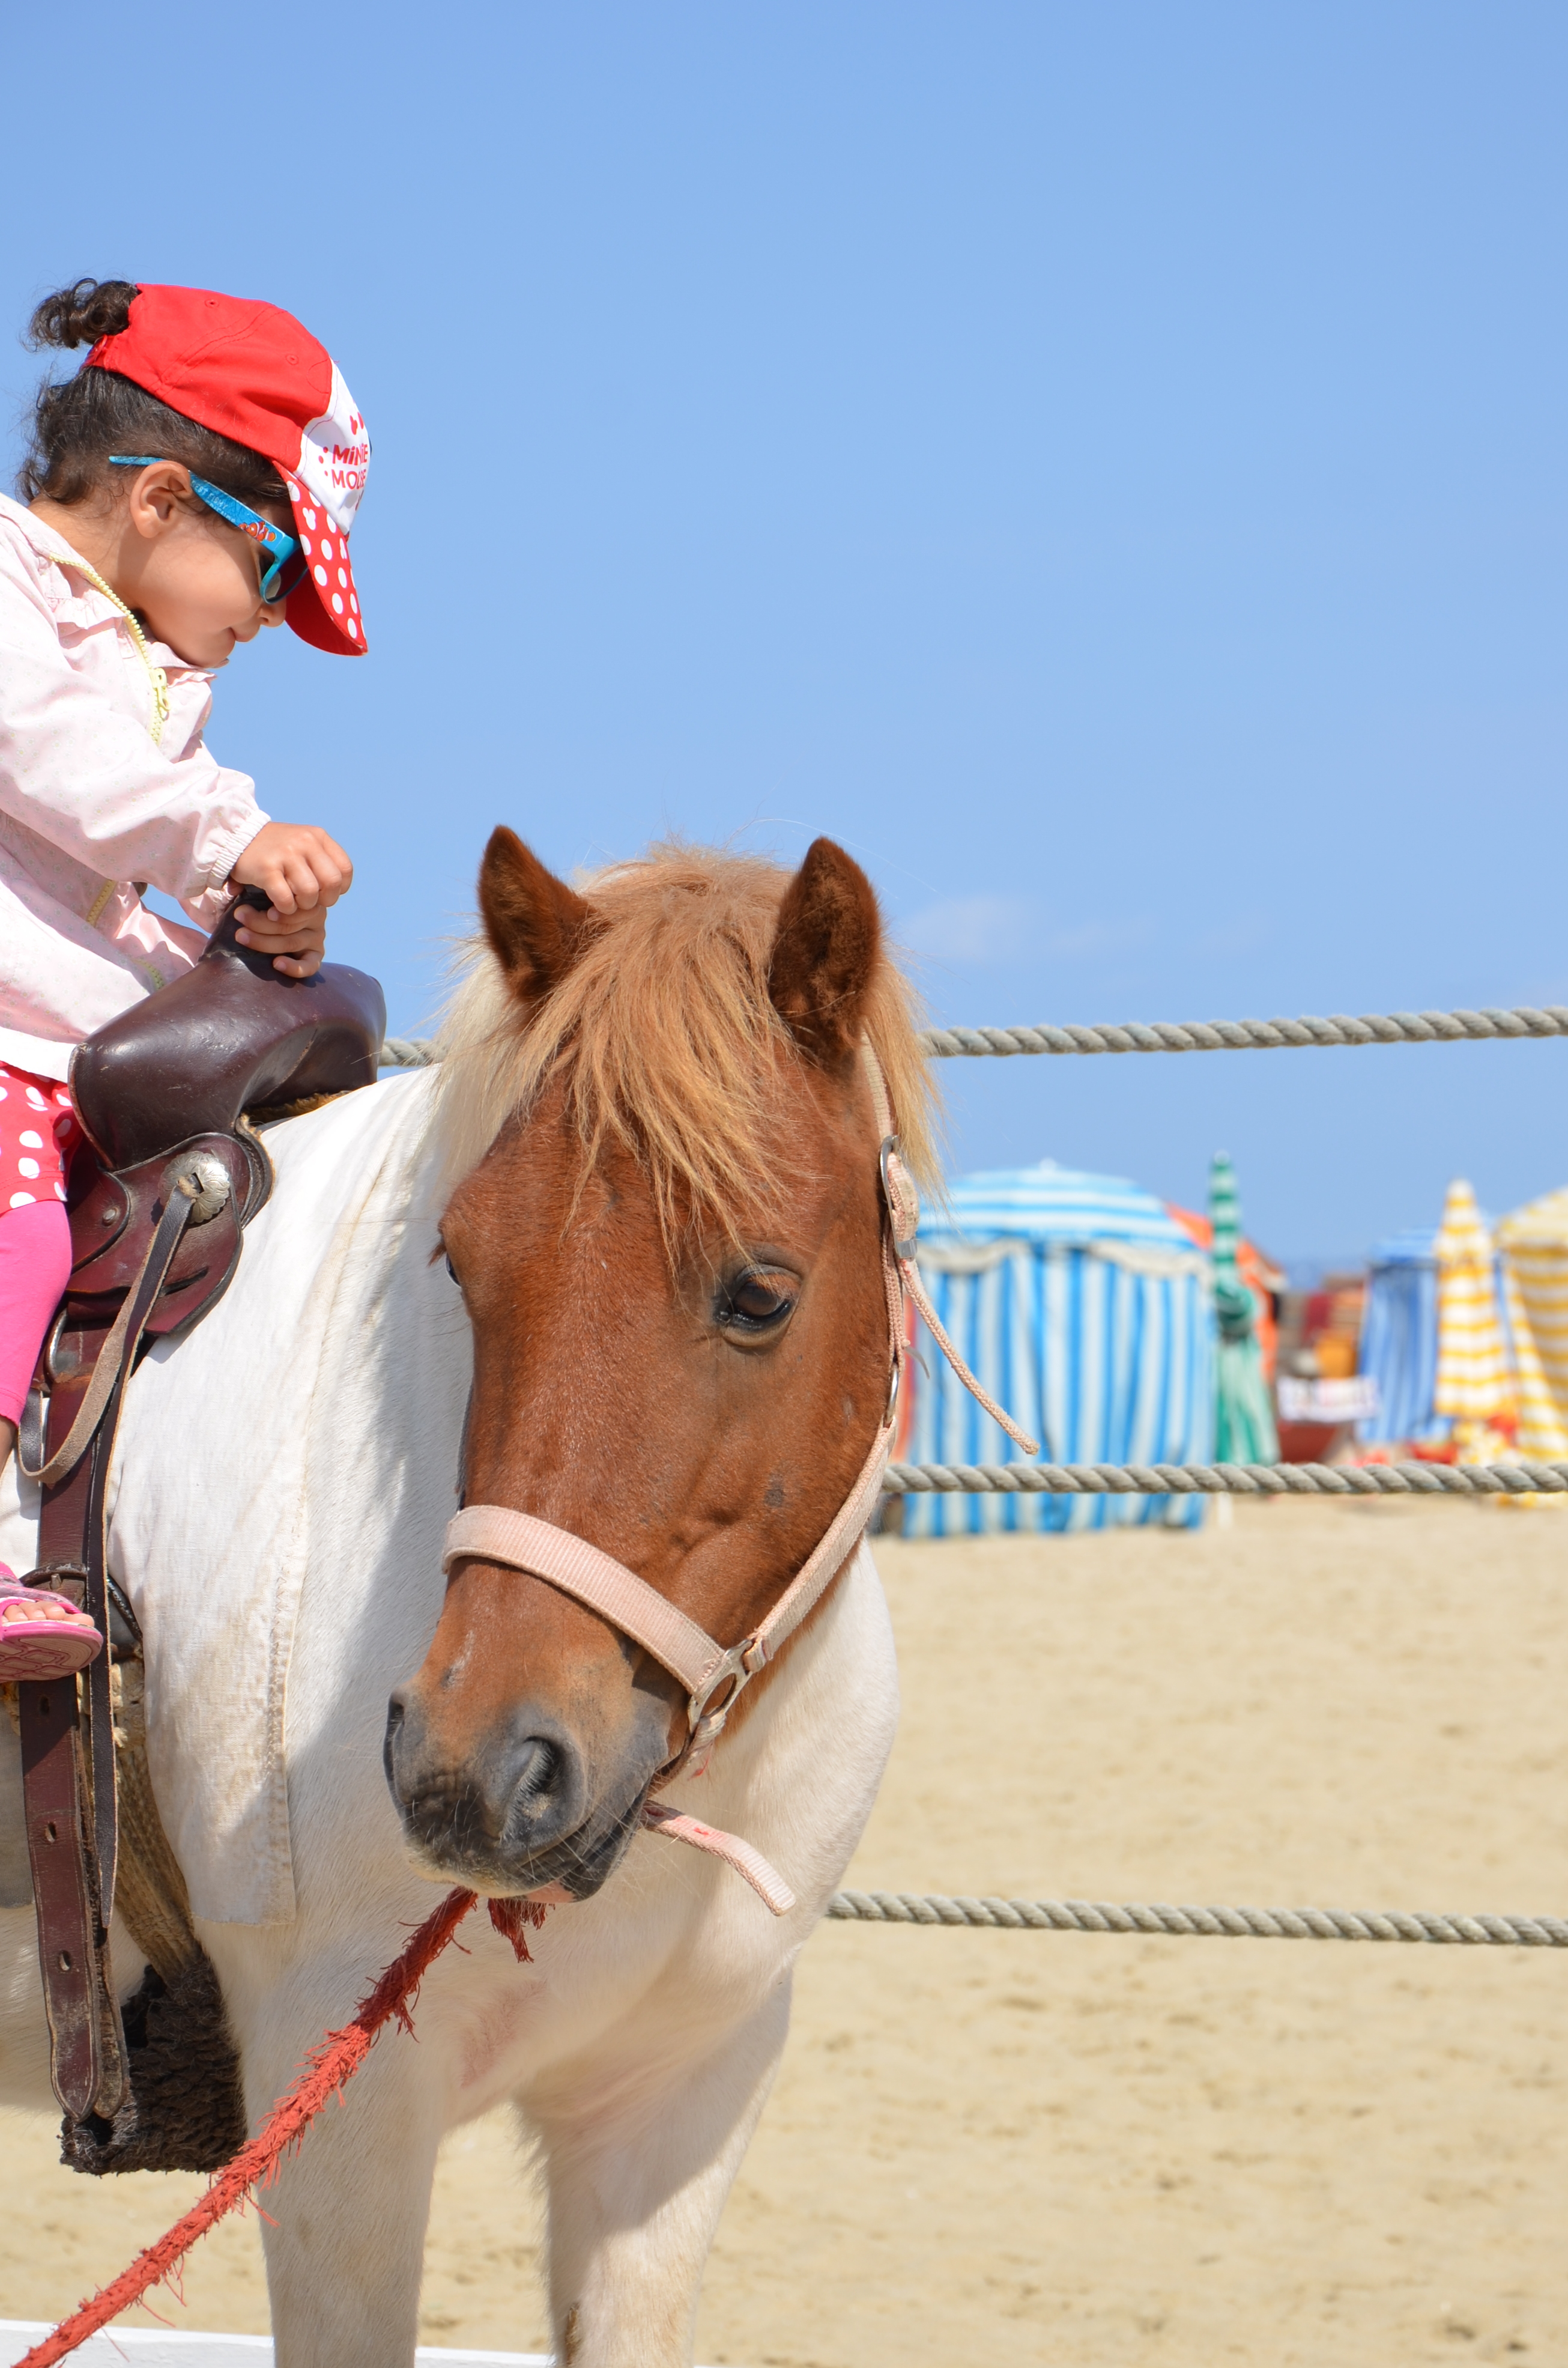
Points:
(82, 315)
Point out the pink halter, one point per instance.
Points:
(715, 1674)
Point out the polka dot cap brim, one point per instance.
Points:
(39, 1131)
(254, 373)
(325, 607)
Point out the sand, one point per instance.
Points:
(1019, 2147)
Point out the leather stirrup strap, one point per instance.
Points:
(54, 1785)
(119, 1349)
(63, 1818)
(68, 1768)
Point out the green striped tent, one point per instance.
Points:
(1244, 1430)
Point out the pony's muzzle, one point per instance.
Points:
(505, 1798)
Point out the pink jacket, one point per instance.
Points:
(92, 808)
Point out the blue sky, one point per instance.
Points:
(1107, 465)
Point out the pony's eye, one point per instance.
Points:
(759, 1301)
(453, 1272)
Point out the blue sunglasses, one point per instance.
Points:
(283, 564)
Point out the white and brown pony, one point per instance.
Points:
(616, 1263)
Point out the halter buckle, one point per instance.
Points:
(736, 1670)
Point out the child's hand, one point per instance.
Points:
(296, 942)
(298, 865)
(302, 871)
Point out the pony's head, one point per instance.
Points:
(667, 1227)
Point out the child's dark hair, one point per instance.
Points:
(78, 423)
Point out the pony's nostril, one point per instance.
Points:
(540, 1792)
(532, 1790)
(537, 1773)
(507, 1796)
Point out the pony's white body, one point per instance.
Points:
(286, 1477)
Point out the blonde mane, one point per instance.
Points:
(666, 1041)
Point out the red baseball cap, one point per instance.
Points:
(251, 372)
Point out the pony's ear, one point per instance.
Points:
(824, 953)
(536, 924)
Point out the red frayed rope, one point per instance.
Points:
(327, 2066)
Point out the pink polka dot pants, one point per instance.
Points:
(39, 1131)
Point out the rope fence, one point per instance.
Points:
(1305, 1034)
(1210, 1479)
(1252, 1035)
(1226, 1479)
(1199, 1923)
(1411, 1479)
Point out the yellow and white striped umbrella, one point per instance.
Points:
(1534, 1243)
(1474, 1385)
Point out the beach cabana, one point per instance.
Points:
(1244, 1418)
(1087, 1311)
(1257, 1270)
(1474, 1386)
(1399, 1336)
(1534, 1243)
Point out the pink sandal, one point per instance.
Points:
(42, 1636)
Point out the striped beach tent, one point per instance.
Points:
(1087, 1311)
(1243, 1421)
(1534, 1243)
(1257, 1269)
(1399, 1336)
(1473, 1384)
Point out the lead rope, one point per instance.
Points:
(903, 1205)
(334, 2059)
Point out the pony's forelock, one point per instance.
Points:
(664, 1041)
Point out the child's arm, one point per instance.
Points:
(85, 775)
(302, 871)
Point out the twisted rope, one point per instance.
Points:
(1192, 1036)
(1226, 1479)
(1253, 1035)
(1199, 1923)
(405, 1053)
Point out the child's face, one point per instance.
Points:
(196, 579)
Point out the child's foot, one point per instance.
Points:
(42, 1636)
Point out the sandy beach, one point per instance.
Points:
(1005, 2148)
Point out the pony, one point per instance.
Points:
(616, 1260)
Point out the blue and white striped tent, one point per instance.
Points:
(1085, 1310)
(1399, 1336)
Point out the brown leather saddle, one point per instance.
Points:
(169, 1095)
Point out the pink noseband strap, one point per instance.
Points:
(493, 1533)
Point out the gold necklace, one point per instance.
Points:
(155, 674)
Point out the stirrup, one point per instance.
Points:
(42, 1647)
